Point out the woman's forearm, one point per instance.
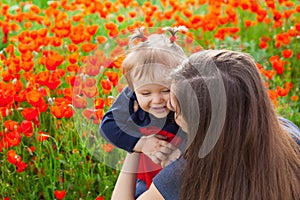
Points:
(125, 186)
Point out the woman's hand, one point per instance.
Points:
(172, 157)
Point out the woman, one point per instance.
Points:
(237, 147)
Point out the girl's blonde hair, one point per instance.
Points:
(155, 54)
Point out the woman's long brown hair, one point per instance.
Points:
(254, 157)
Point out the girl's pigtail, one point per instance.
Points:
(138, 34)
(174, 30)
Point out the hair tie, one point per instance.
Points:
(138, 34)
(141, 34)
(144, 38)
(174, 30)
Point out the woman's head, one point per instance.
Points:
(236, 146)
(224, 88)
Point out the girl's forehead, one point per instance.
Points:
(159, 78)
(148, 84)
(152, 86)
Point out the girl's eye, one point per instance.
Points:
(145, 93)
(166, 91)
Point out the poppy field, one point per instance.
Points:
(60, 71)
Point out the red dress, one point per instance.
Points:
(147, 168)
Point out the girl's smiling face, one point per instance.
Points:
(153, 98)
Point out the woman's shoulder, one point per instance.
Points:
(168, 180)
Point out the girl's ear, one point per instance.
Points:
(135, 106)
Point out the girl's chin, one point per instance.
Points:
(160, 114)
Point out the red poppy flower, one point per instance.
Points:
(56, 111)
(10, 49)
(11, 156)
(60, 194)
(273, 94)
(42, 77)
(53, 61)
(101, 39)
(88, 47)
(293, 98)
(282, 91)
(132, 14)
(21, 166)
(89, 82)
(99, 103)
(263, 44)
(62, 110)
(107, 147)
(99, 114)
(106, 86)
(269, 74)
(43, 106)
(11, 139)
(113, 77)
(109, 100)
(26, 128)
(53, 82)
(42, 136)
(287, 53)
(120, 18)
(68, 112)
(91, 92)
(277, 64)
(92, 29)
(79, 101)
(92, 70)
(30, 114)
(7, 93)
(11, 125)
(91, 115)
(34, 98)
(4, 112)
(110, 26)
(72, 47)
(72, 58)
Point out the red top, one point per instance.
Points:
(147, 168)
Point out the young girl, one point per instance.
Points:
(254, 156)
(139, 120)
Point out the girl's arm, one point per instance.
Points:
(125, 186)
(115, 127)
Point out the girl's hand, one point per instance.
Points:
(155, 147)
(172, 157)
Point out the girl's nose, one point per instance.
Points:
(158, 98)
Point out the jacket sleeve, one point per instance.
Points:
(291, 128)
(117, 127)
